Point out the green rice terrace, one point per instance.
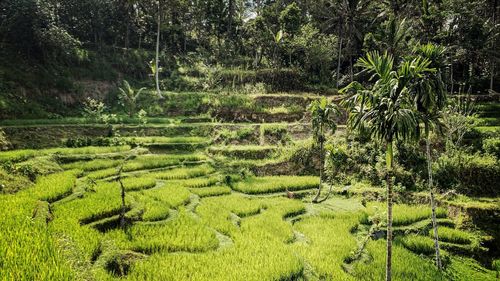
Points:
(217, 201)
(245, 140)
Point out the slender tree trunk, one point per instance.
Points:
(351, 70)
(321, 152)
(123, 210)
(339, 55)
(451, 78)
(492, 76)
(389, 159)
(492, 70)
(157, 59)
(127, 34)
(433, 202)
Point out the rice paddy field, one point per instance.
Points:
(190, 218)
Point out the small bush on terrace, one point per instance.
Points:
(492, 146)
(470, 174)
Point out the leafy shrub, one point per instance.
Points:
(492, 146)
(32, 168)
(4, 142)
(470, 174)
(242, 135)
(275, 134)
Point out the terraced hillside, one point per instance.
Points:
(191, 214)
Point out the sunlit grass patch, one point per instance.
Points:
(212, 191)
(159, 161)
(247, 259)
(93, 165)
(258, 185)
(19, 155)
(283, 206)
(183, 233)
(202, 182)
(28, 251)
(329, 242)
(216, 211)
(53, 187)
(184, 172)
(452, 235)
(407, 214)
(462, 268)
(405, 265)
(267, 226)
(101, 174)
(172, 194)
(418, 244)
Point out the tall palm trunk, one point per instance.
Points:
(433, 202)
(389, 159)
(157, 59)
(339, 54)
(321, 153)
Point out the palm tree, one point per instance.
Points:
(323, 114)
(385, 110)
(129, 97)
(429, 95)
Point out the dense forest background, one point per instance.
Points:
(56, 53)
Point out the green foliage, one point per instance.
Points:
(290, 18)
(257, 185)
(324, 253)
(128, 97)
(212, 191)
(492, 146)
(4, 142)
(183, 233)
(160, 161)
(20, 155)
(470, 174)
(28, 250)
(184, 173)
(419, 244)
(54, 187)
(408, 214)
(452, 235)
(93, 165)
(241, 135)
(406, 265)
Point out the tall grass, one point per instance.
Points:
(19, 155)
(405, 265)
(328, 243)
(94, 165)
(407, 214)
(160, 161)
(185, 172)
(158, 201)
(27, 249)
(418, 244)
(183, 233)
(258, 185)
(54, 187)
(452, 235)
(212, 191)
